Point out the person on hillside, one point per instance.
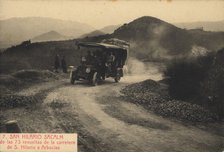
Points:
(56, 63)
(63, 65)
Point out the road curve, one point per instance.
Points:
(126, 127)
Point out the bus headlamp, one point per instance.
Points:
(88, 70)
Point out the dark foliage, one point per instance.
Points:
(199, 80)
(185, 76)
(212, 88)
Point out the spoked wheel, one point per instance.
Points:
(73, 77)
(72, 81)
(95, 79)
(117, 78)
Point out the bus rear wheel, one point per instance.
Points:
(95, 79)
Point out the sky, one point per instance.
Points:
(100, 13)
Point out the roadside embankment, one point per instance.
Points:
(154, 96)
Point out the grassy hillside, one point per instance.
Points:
(154, 39)
(150, 39)
(38, 56)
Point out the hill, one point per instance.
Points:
(15, 30)
(207, 26)
(49, 36)
(92, 34)
(110, 29)
(154, 39)
(105, 30)
(150, 39)
(38, 55)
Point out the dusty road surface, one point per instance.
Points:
(104, 122)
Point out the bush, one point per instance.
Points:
(199, 79)
(212, 87)
(185, 76)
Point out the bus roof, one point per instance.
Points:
(102, 45)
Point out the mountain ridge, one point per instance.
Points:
(150, 39)
(154, 38)
(49, 36)
(214, 26)
(15, 30)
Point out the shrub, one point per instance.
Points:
(212, 87)
(185, 76)
(199, 79)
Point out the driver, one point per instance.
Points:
(111, 58)
(110, 61)
(89, 58)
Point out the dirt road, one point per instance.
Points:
(105, 122)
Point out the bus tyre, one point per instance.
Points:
(72, 80)
(95, 79)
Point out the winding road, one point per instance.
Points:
(105, 122)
